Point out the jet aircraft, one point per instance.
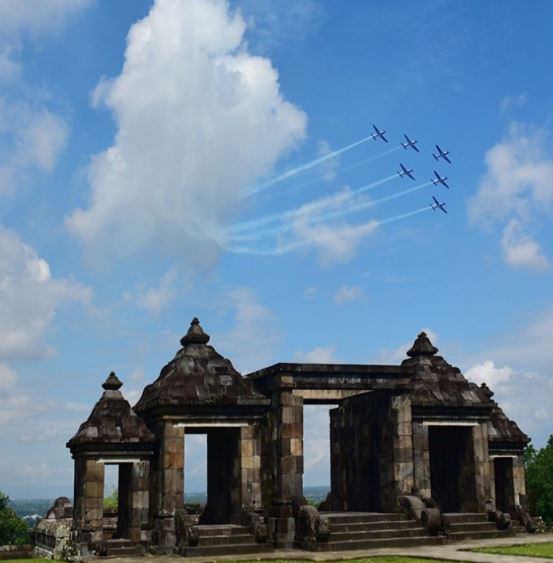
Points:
(439, 180)
(441, 154)
(438, 205)
(379, 133)
(405, 172)
(410, 143)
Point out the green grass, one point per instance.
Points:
(529, 550)
(378, 559)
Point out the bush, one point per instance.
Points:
(13, 530)
(539, 480)
(112, 500)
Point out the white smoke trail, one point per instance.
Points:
(302, 168)
(368, 227)
(330, 215)
(351, 166)
(315, 205)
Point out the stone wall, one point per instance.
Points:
(371, 452)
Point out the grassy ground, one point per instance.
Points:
(367, 560)
(529, 550)
(378, 559)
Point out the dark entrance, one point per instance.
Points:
(116, 517)
(223, 475)
(504, 489)
(452, 468)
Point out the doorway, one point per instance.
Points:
(504, 485)
(452, 468)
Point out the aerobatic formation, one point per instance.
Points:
(346, 202)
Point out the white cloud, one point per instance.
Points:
(29, 297)
(254, 338)
(8, 377)
(520, 250)
(319, 355)
(155, 299)
(524, 385)
(348, 294)
(316, 443)
(486, 372)
(272, 24)
(37, 16)
(334, 243)
(328, 168)
(32, 138)
(198, 119)
(517, 187)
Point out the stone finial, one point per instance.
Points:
(112, 383)
(422, 347)
(195, 334)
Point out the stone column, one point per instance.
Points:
(169, 485)
(287, 449)
(421, 456)
(250, 466)
(519, 482)
(401, 476)
(89, 499)
(481, 466)
(139, 496)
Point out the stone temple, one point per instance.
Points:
(418, 455)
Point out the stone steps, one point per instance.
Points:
(383, 525)
(123, 548)
(382, 542)
(364, 517)
(474, 526)
(350, 531)
(224, 540)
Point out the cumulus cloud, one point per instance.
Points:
(29, 297)
(155, 299)
(31, 139)
(319, 355)
(198, 119)
(253, 339)
(348, 294)
(316, 444)
(486, 372)
(517, 187)
(520, 250)
(523, 386)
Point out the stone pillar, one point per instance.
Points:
(89, 500)
(169, 485)
(519, 482)
(421, 456)
(250, 466)
(287, 459)
(139, 496)
(481, 466)
(401, 478)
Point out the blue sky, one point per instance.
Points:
(130, 132)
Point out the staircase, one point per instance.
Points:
(123, 548)
(366, 530)
(224, 539)
(475, 526)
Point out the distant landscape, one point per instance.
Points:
(32, 510)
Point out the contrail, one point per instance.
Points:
(255, 223)
(351, 166)
(368, 227)
(330, 215)
(302, 168)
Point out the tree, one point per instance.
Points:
(13, 530)
(539, 480)
(112, 500)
